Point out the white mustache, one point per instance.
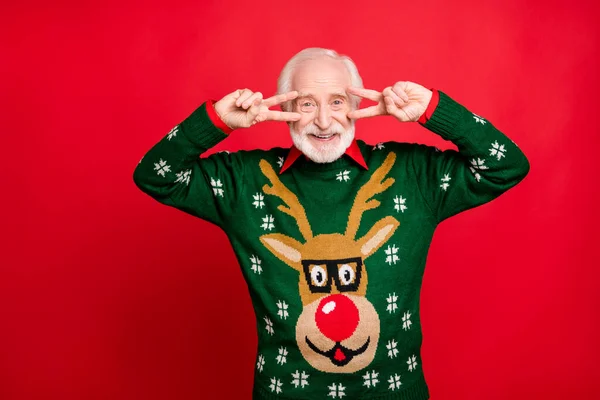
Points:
(314, 130)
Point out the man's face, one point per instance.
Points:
(324, 132)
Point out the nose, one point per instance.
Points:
(323, 119)
(337, 317)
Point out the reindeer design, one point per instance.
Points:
(338, 329)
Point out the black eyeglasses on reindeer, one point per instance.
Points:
(344, 272)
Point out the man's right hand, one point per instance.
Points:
(244, 108)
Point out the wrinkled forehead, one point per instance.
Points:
(320, 76)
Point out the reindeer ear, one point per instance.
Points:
(285, 248)
(377, 236)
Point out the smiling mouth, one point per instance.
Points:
(338, 354)
(323, 137)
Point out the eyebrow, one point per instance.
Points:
(334, 94)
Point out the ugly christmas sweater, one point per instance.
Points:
(334, 254)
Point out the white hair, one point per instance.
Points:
(284, 83)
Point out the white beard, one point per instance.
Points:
(326, 152)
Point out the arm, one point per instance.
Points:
(172, 172)
(487, 164)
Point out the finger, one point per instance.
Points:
(392, 109)
(282, 116)
(366, 112)
(397, 100)
(365, 93)
(280, 98)
(398, 90)
(244, 95)
(250, 101)
(254, 109)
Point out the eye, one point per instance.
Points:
(346, 274)
(338, 102)
(318, 275)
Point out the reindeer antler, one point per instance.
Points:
(374, 186)
(294, 208)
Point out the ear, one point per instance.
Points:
(285, 248)
(377, 236)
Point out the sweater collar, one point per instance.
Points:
(353, 151)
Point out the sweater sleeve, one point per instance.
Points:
(487, 164)
(172, 172)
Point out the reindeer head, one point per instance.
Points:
(338, 328)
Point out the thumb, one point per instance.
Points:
(253, 112)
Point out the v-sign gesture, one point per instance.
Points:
(406, 101)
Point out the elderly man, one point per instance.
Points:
(332, 235)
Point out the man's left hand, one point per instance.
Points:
(406, 101)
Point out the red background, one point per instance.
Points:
(106, 294)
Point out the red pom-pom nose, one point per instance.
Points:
(337, 317)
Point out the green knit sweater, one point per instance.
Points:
(334, 254)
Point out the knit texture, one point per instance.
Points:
(334, 254)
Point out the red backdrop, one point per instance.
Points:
(106, 294)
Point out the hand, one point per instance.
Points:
(244, 108)
(406, 101)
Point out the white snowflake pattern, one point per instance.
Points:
(280, 161)
(379, 146)
(282, 309)
(259, 200)
(184, 177)
(217, 187)
(392, 350)
(392, 254)
(445, 182)
(172, 133)
(406, 321)
(370, 379)
(400, 204)
(343, 176)
(336, 391)
(268, 222)
(394, 382)
(477, 165)
(269, 326)
(498, 150)
(300, 379)
(391, 300)
(260, 363)
(412, 363)
(161, 167)
(275, 385)
(479, 119)
(282, 356)
(255, 264)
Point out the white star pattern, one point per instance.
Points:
(260, 363)
(477, 164)
(445, 182)
(161, 167)
(282, 356)
(282, 309)
(406, 321)
(400, 204)
(269, 326)
(392, 350)
(379, 146)
(184, 177)
(255, 264)
(479, 119)
(280, 161)
(343, 176)
(268, 222)
(172, 133)
(392, 254)
(336, 391)
(498, 150)
(370, 379)
(394, 382)
(300, 379)
(217, 187)
(258, 200)
(391, 300)
(412, 363)
(275, 385)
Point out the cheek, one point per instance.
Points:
(305, 120)
(342, 118)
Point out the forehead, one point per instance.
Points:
(321, 76)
